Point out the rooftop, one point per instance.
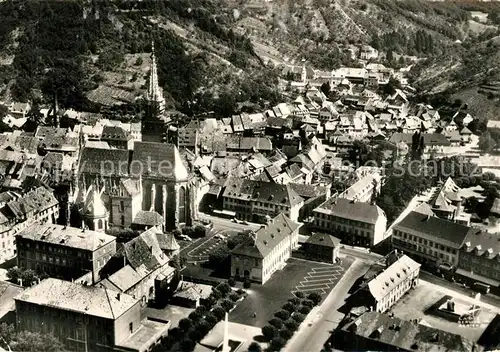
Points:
(322, 239)
(75, 297)
(347, 209)
(267, 238)
(408, 336)
(392, 276)
(66, 236)
(434, 228)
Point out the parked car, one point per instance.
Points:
(220, 236)
(244, 222)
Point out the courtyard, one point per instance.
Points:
(297, 275)
(417, 304)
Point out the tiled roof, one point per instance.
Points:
(34, 201)
(267, 238)
(392, 276)
(347, 209)
(261, 191)
(104, 161)
(434, 228)
(123, 279)
(158, 159)
(308, 191)
(115, 133)
(148, 218)
(66, 236)
(144, 251)
(248, 143)
(408, 335)
(193, 291)
(90, 300)
(482, 243)
(323, 239)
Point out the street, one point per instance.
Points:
(316, 329)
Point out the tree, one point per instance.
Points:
(219, 312)
(231, 281)
(33, 342)
(292, 324)
(325, 88)
(389, 55)
(218, 256)
(315, 297)
(282, 314)
(234, 296)
(277, 343)
(199, 231)
(187, 345)
(286, 334)
(290, 307)
(299, 294)
(211, 319)
(7, 333)
(295, 301)
(254, 347)
(304, 310)
(298, 317)
(269, 332)
(247, 283)
(487, 143)
(227, 304)
(224, 289)
(185, 324)
(308, 303)
(14, 274)
(276, 322)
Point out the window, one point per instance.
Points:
(123, 220)
(131, 327)
(122, 206)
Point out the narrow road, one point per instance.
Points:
(317, 328)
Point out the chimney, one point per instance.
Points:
(118, 296)
(150, 249)
(20, 282)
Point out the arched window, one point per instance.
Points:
(182, 205)
(99, 224)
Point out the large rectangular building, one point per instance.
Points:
(64, 252)
(267, 251)
(429, 239)
(390, 285)
(86, 318)
(258, 200)
(353, 222)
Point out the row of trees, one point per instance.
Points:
(27, 341)
(27, 277)
(287, 320)
(222, 253)
(195, 327)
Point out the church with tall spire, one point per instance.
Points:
(155, 92)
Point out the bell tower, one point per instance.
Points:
(155, 93)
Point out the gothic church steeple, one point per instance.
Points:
(155, 93)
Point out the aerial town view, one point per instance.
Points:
(258, 175)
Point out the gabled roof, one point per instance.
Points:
(70, 296)
(323, 239)
(379, 327)
(434, 228)
(391, 277)
(66, 236)
(347, 209)
(104, 161)
(158, 159)
(115, 133)
(267, 238)
(148, 218)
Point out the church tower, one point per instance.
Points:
(155, 93)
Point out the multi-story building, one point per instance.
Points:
(125, 201)
(374, 331)
(266, 250)
(479, 258)
(447, 203)
(87, 318)
(257, 200)
(38, 205)
(385, 289)
(364, 189)
(142, 268)
(64, 252)
(357, 223)
(429, 239)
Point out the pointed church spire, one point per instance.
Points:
(155, 93)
